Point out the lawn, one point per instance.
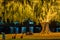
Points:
(0, 36)
(31, 39)
(35, 36)
(23, 39)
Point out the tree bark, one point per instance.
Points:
(45, 28)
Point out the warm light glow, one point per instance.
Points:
(26, 9)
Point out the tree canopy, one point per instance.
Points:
(36, 10)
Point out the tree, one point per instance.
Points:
(17, 11)
(40, 11)
(45, 13)
(1, 8)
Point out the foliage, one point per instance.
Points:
(36, 10)
(1, 7)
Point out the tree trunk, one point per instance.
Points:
(45, 28)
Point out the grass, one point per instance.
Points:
(24, 39)
(0, 36)
(32, 39)
(36, 36)
(21, 39)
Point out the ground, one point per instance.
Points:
(35, 36)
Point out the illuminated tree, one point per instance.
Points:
(11, 10)
(1, 7)
(16, 11)
(40, 11)
(45, 11)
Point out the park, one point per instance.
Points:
(29, 19)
